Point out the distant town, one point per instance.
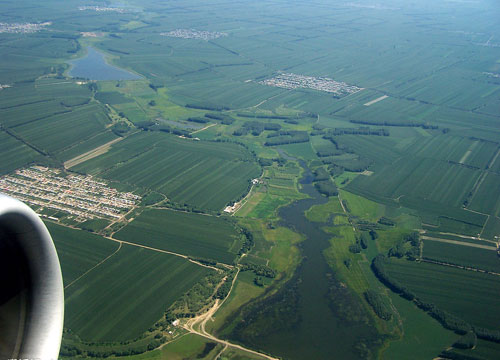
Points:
(194, 34)
(101, 9)
(22, 28)
(84, 197)
(294, 81)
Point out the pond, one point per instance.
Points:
(93, 66)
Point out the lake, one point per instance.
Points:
(93, 66)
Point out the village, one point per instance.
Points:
(22, 28)
(194, 34)
(84, 197)
(101, 9)
(294, 81)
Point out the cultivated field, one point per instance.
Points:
(125, 295)
(202, 174)
(194, 235)
(444, 286)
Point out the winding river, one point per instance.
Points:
(326, 320)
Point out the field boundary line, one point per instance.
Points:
(462, 267)
(485, 247)
(102, 149)
(206, 127)
(92, 268)
(468, 237)
(164, 252)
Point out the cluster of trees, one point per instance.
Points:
(73, 350)
(259, 270)
(453, 355)
(329, 152)
(152, 126)
(207, 107)
(199, 120)
(326, 187)
(378, 304)
(361, 243)
(320, 174)
(335, 170)
(120, 128)
(386, 221)
(224, 289)
(71, 103)
(262, 116)
(409, 246)
(248, 243)
(224, 119)
(286, 137)
(204, 261)
(256, 128)
(269, 162)
(359, 131)
(354, 165)
(258, 281)
(468, 341)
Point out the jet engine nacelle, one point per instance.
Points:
(31, 293)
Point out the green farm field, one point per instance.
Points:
(462, 255)
(79, 251)
(203, 174)
(189, 234)
(418, 144)
(444, 286)
(15, 153)
(125, 295)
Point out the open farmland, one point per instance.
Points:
(44, 114)
(470, 295)
(194, 235)
(15, 154)
(462, 255)
(57, 132)
(422, 178)
(121, 298)
(417, 147)
(79, 251)
(487, 197)
(202, 174)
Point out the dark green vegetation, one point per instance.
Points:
(417, 147)
(197, 236)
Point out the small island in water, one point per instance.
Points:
(93, 66)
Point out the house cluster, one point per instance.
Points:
(83, 197)
(294, 81)
(194, 34)
(101, 9)
(22, 28)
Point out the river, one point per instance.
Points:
(317, 317)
